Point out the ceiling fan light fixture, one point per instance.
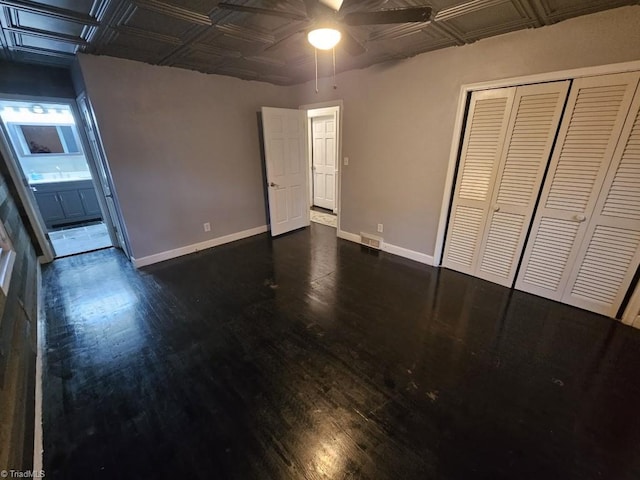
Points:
(324, 38)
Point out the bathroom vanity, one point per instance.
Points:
(66, 202)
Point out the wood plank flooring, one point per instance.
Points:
(307, 357)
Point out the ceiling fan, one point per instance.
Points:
(326, 20)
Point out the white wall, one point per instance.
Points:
(399, 117)
(183, 148)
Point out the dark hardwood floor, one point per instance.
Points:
(306, 357)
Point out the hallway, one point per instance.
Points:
(306, 356)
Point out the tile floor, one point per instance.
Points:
(324, 218)
(70, 241)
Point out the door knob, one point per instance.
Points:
(579, 217)
(496, 208)
(273, 184)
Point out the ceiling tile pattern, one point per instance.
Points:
(237, 37)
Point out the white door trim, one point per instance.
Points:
(34, 215)
(631, 315)
(92, 159)
(465, 92)
(35, 219)
(315, 113)
(28, 202)
(322, 154)
(320, 109)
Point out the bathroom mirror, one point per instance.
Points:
(48, 139)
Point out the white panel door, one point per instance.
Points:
(324, 152)
(532, 129)
(484, 135)
(610, 254)
(285, 155)
(595, 114)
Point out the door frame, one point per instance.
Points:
(466, 91)
(99, 164)
(25, 194)
(631, 315)
(633, 307)
(316, 113)
(33, 213)
(334, 107)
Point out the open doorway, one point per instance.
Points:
(49, 158)
(290, 168)
(324, 164)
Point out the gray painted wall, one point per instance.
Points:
(399, 118)
(183, 149)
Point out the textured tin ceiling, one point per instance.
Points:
(237, 38)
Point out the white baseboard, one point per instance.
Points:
(406, 253)
(38, 442)
(352, 237)
(196, 247)
(393, 249)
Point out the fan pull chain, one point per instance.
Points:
(316, 55)
(334, 69)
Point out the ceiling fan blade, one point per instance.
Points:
(334, 5)
(381, 17)
(262, 11)
(351, 45)
(311, 6)
(319, 9)
(284, 39)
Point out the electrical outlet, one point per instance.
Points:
(206, 226)
(380, 228)
(346, 160)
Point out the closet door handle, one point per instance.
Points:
(579, 217)
(496, 208)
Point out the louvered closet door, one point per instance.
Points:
(487, 123)
(591, 127)
(529, 139)
(610, 254)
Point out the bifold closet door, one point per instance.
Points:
(590, 132)
(500, 180)
(532, 129)
(487, 122)
(609, 256)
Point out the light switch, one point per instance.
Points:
(346, 160)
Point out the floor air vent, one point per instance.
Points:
(369, 240)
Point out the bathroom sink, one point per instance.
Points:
(36, 179)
